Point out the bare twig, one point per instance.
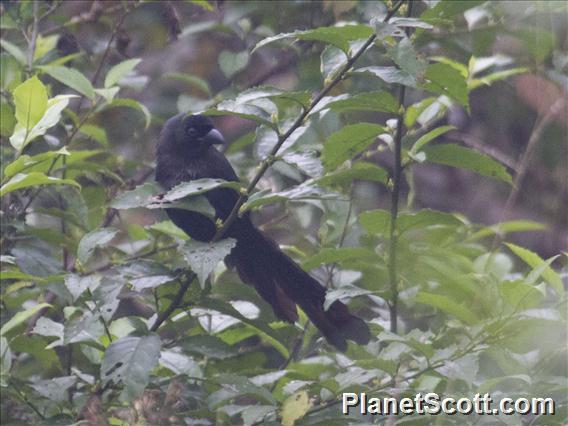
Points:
(33, 38)
(269, 160)
(92, 15)
(176, 302)
(540, 125)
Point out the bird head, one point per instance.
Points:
(191, 134)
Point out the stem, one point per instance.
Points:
(175, 303)
(33, 39)
(395, 195)
(264, 165)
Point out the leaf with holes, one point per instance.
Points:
(204, 257)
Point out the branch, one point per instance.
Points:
(178, 299)
(92, 15)
(395, 194)
(269, 160)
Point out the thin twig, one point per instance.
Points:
(92, 15)
(176, 302)
(540, 125)
(33, 38)
(270, 158)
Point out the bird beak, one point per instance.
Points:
(214, 137)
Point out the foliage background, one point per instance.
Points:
(94, 326)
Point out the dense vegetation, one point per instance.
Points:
(410, 155)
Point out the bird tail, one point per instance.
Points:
(283, 284)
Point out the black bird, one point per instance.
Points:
(185, 152)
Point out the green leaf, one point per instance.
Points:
(95, 132)
(129, 361)
(237, 386)
(348, 142)
(333, 255)
(534, 261)
(23, 135)
(345, 291)
(44, 45)
(77, 284)
(14, 50)
(332, 60)
(8, 121)
(25, 162)
(108, 94)
(233, 62)
(197, 187)
(30, 98)
(428, 137)
(120, 70)
(519, 295)
(304, 191)
(336, 36)
(507, 227)
(539, 42)
(404, 55)
(360, 170)
(443, 79)
(203, 257)
(140, 196)
(10, 72)
(5, 360)
(488, 79)
(464, 158)
(191, 80)
(55, 389)
(203, 4)
(131, 103)
(207, 346)
(391, 75)
(92, 240)
(295, 407)
(370, 101)
(378, 221)
(24, 180)
(21, 317)
(447, 305)
(71, 78)
(261, 327)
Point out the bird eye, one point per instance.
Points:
(191, 131)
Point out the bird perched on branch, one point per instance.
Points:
(185, 152)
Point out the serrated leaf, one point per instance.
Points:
(21, 317)
(333, 255)
(129, 361)
(92, 240)
(261, 327)
(443, 79)
(370, 101)
(534, 261)
(447, 305)
(360, 170)
(304, 191)
(343, 292)
(464, 158)
(77, 284)
(348, 142)
(519, 295)
(378, 221)
(71, 78)
(120, 70)
(428, 137)
(404, 55)
(336, 36)
(25, 180)
(203, 257)
(234, 386)
(391, 75)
